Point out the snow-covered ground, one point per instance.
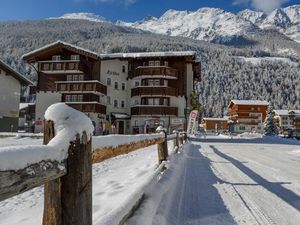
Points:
(258, 60)
(213, 181)
(220, 183)
(117, 185)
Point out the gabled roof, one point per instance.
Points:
(31, 55)
(249, 102)
(23, 80)
(147, 54)
(81, 51)
(282, 112)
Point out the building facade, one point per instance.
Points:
(122, 93)
(10, 94)
(215, 124)
(247, 115)
(288, 122)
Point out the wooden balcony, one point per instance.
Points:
(88, 107)
(154, 110)
(154, 91)
(80, 86)
(156, 71)
(63, 66)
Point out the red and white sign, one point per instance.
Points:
(192, 122)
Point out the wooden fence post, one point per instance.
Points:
(76, 186)
(163, 150)
(68, 200)
(52, 192)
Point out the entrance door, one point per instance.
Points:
(121, 127)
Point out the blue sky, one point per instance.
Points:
(128, 10)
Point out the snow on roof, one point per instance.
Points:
(25, 105)
(217, 119)
(249, 102)
(16, 74)
(56, 43)
(114, 55)
(121, 115)
(282, 112)
(148, 54)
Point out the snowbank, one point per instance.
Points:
(68, 123)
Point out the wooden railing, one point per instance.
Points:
(59, 66)
(80, 86)
(156, 91)
(68, 184)
(88, 107)
(154, 110)
(167, 72)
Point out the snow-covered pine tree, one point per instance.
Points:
(270, 128)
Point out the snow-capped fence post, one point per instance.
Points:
(68, 200)
(162, 149)
(52, 203)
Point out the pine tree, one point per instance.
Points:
(270, 128)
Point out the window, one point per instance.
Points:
(150, 82)
(116, 103)
(242, 128)
(75, 87)
(108, 100)
(58, 66)
(56, 58)
(108, 81)
(74, 57)
(68, 98)
(123, 86)
(75, 77)
(157, 63)
(69, 77)
(151, 63)
(166, 63)
(62, 87)
(116, 85)
(122, 104)
(46, 66)
(74, 98)
(81, 77)
(136, 102)
(80, 98)
(165, 83)
(136, 83)
(123, 69)
(156, 83)
(156, 101)
(166, 101)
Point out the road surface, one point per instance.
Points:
(222, 182)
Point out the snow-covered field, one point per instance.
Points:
(213, 181)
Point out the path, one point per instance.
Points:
(219, 183)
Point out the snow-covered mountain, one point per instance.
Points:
(208, 24)
(212, 24)
(81, 16)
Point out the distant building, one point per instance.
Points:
(10, 94)
(215, 124)
(288, 122)
(26, 117)
(122, 93)
(247, 115)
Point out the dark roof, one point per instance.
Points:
(23, 80)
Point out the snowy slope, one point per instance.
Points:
(81, 16)
(205, 24)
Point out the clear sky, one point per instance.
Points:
(128, 10)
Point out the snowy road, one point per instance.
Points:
(219, 183)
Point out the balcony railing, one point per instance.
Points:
(88, 107)
(80, 86)
(154, 110)
(61, 66)
(154, 91)
(164, 71)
